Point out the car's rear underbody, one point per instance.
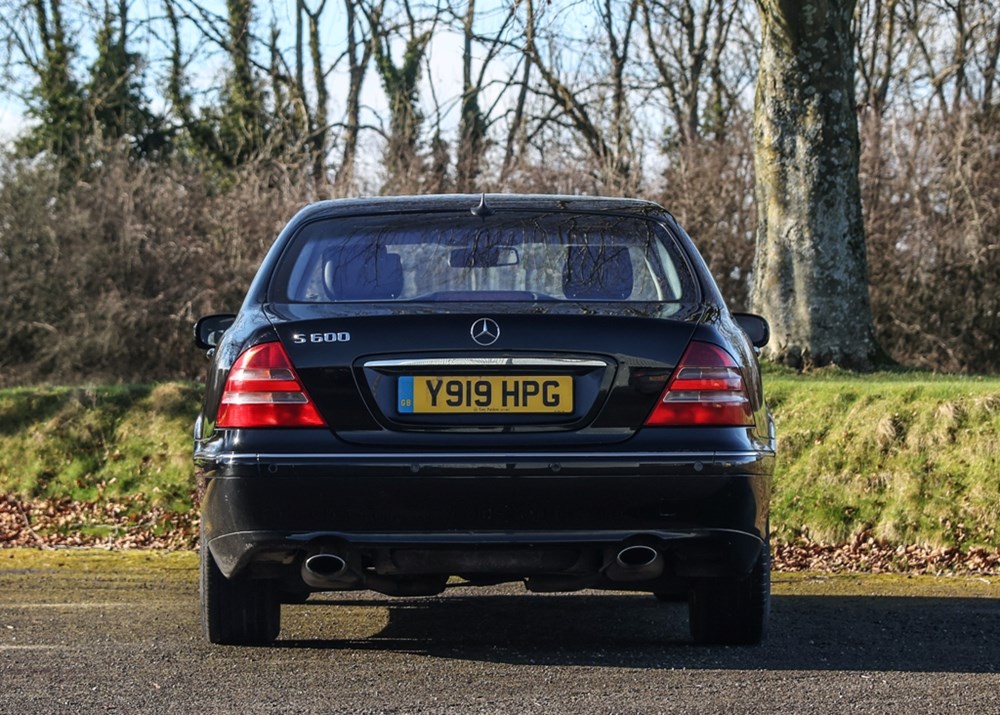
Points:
(402, 524)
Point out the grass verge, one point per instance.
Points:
(901, 458)
(98, 465)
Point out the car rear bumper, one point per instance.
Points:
(559, 520)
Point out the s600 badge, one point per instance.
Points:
(300, 338)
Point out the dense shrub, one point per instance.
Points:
(103, 279)
(932, 205)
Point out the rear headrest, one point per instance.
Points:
(362, 271)
(598, 272)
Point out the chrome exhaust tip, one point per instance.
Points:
(637, 556)
(637, 562)
(326, 565)
(327, 571)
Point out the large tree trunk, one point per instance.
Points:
(810, 268)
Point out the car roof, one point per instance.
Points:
(468, 202)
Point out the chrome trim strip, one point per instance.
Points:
(505, 456)
(489, 362)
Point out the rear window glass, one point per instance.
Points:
(420, 257)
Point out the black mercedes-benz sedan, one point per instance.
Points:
(433, 391)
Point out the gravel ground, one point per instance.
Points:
(85, 636)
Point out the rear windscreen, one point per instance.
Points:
(448, 257)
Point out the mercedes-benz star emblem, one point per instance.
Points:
(485, 331)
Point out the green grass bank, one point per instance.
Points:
(905, 458)
(910, 458)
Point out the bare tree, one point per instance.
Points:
(989, 58)
(235, 128)
(243, 124)
(581, 108)
(479, 53)
(359, 51)
(879, 32)
(955, 46)
(38, 38)
(515, 132)
(318, 121)
(400, 80)
(472, 126)
(688, 41)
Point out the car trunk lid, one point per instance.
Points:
(412, 377)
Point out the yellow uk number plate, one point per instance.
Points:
(523, 394)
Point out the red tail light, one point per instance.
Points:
(264, 391)
(706, 389)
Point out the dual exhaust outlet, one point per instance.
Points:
(636, 562)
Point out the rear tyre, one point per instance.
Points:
(238, 611)
(733, 611)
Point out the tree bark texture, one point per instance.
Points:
(810, 268)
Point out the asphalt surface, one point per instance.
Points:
(79, 636)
